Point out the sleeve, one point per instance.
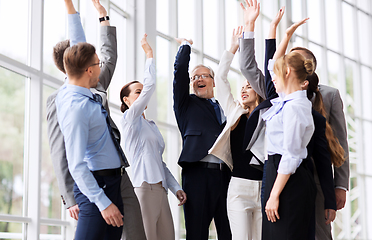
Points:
(270, 48)
(75, 128)
(323, 164)
(75, 29)
(296, 124)
(248, 35)
(108, 56)
(58, 154)
(249, 67)
(338, 124)
(223, 89)
(149, 84)
(172, 183)
(181, 81)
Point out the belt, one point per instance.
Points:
(218, 166)
(110, 172)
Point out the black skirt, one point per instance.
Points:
(296, 203)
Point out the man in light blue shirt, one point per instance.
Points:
(93, 160)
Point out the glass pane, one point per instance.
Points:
(54, 32)
(232, 21)
(366, 91)
(317, 51)
(15, 229)
(297, 41)
(235, 80)
(186, 24)
(12, 117)
(269, 9)
(332, 25)
(210, 28)
(364, 5)
(347, 20)
(364, 38)
(296, 14)
(14, 19)
(120, 3)
(119, 78)
(50, 196)
(350, 71)
(49, 232)
(333, 69)
(163, 78)
(162, 16)
(211, 64)
(314, 22)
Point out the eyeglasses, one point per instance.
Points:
(100, 64)
(203, 76)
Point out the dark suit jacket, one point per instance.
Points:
(195, 116)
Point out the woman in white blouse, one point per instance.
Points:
(289, 194)
(144, 146)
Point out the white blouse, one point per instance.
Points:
(143, 142)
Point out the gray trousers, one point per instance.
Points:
(133, 225)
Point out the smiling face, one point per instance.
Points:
(135, 91)
(203, 88)
(248, 95)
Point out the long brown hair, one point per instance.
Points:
(335, 149)
(124, 92)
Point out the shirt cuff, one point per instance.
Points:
(103, 202)
(339, 187)
(186, 43)
(248, 35)
(270, 67)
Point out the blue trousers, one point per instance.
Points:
(91, 224)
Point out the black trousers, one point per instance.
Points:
(91, 224)
(296, 203)
(206, 191)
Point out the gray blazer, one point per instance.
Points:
(56, 139)
(336, 118)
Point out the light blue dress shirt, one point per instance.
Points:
(143, 142)
(75, 29)
(88, 142)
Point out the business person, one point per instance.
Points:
(205, 178)
(243, 197)
(133, 226)
(335, 117)
(290, 190)
(144, 147)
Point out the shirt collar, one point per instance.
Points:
(81, 90)
(213, 99)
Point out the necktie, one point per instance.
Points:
(217, 110)
(98, 99)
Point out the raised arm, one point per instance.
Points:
(270, 48)
(223, 89)
(248, 64)
(75, 29)
(287, 36)
(108, 49)
(149, 83)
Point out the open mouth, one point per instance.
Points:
(201, 86)
(245, 96)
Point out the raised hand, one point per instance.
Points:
(274, 23)
(237, 33)
(146, 46)
(250, 14)
(294, 26)
(100, 9)
(181, 40)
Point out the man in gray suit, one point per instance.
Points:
(133, 226)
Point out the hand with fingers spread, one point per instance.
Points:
(112, 216)
(237, 33)
(250, 12)
(74, 212)
(181, 195)
(275, 22)
(146, 46)
(181, 40)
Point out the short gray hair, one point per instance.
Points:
(211, 72)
